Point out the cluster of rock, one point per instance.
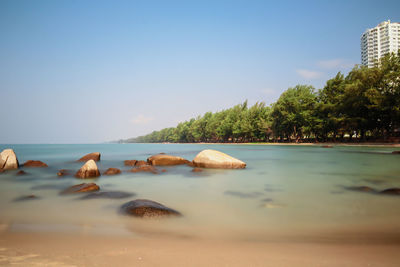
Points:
(143, 208)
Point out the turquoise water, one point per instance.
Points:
(284, 190)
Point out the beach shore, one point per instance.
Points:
(62, 249)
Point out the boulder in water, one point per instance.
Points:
(88, 170)
(210, 158)
(8, 160)
(94, 156)
(166, 160)
(148, 209)
(35, 164)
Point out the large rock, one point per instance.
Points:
(166, 160)
(147, 209)
(88, 170)
(215, 159)
(35, 164)
(81, 188)
(94, 156)
(8, 160)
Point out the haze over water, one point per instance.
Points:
(285, 192)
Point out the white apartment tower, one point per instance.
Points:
(378, 41)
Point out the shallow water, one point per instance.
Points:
(284, 191)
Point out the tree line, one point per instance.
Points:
(362, 106)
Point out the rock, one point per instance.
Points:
(147, 209)
(94, 156)
(81, 188)
(108, 195)
(327, 146)
(62, 172)
(210, 158)
(35, 164)
(391, 191)
(21, 172)
(8, 160)
(166, 160)
(163, 170)
(396, 152)
(24, 198)
(197, 170)
(88, 170)
(141, 163)
(130, 162)
(145, 168)
(112, 171)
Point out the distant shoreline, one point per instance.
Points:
(366, 144)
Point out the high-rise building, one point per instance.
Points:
(378, 41)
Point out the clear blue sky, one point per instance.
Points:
(94, 71)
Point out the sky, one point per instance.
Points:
(97, 71)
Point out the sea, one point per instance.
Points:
(285, 192)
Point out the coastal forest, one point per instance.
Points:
(362, 106)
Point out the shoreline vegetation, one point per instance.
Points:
(363, 107)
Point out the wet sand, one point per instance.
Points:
(62, 249)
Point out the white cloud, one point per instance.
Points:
(309, 74)
(141, 119)
(337, 63)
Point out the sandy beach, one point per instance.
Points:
(45, 249)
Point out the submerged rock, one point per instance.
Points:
(25, 198)
(210, 158)
(391, 191)
(148, 209)
(166, 160)
(108, 195)
(35, 164)
(360, 189)
(243, 194)
(88, 170)
(62, 172)
(8, 160)
(91, 156)
(197, 169)
(145, 168)
(112, 171)
(81, 188)
(141, 163)
(130, 162)
(21, 172)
